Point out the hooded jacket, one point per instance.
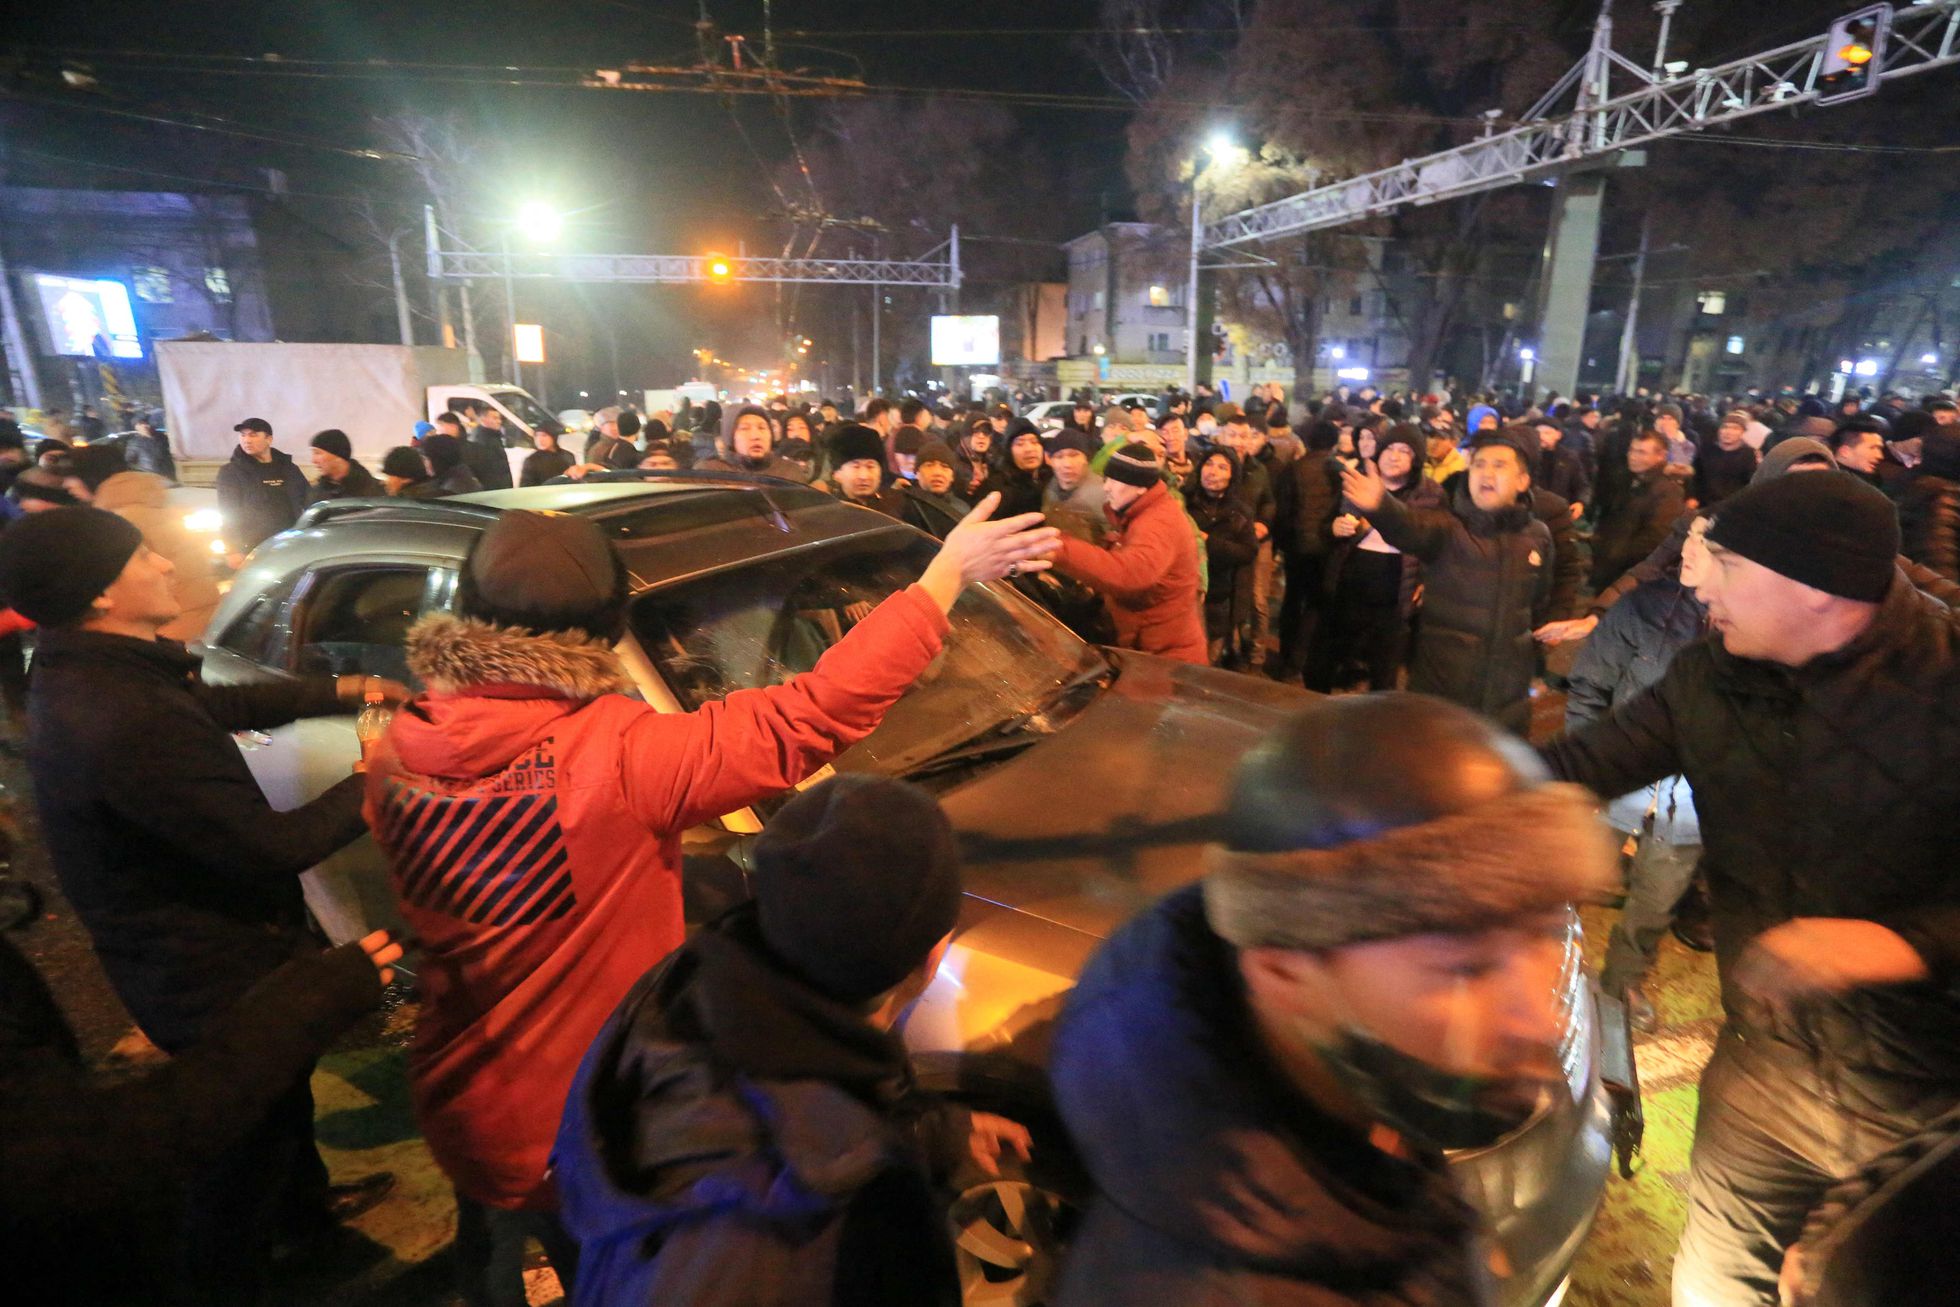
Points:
(143, 500)
(359, 483)
(1148, 576)
(532, 820)
(1230, 547)
(1219, 1184)
(1874, 725)
(1486, 575)
(734, 1138)
(259, 500)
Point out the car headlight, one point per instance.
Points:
(205, 521)
(218, 547)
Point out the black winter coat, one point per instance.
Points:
(544, 464)
(1419, 493)
(1638, 520)
(187, 879)
(1720, 472)
(1562, 472)
(359, 483)
(95, 1171)
(734, 1138)
(1485, 577)
(1313, 502)
(1020, 492)
(1562, 599)
(483, 454)
(259, 500)
(1929, 510)
(1231, 546)
(1824, 791)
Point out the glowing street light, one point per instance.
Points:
(540, 223)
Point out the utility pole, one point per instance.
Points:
(1191, 314)
(402, 323)
(1628, 372)
(877, 313)
(510, 318)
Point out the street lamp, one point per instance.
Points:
(540, 223)
(1222, 148)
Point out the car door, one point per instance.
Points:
(349, 616)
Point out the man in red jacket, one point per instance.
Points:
(532, 819)
(1148, 572)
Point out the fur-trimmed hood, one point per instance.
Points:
(1461, 872)
(458, 653)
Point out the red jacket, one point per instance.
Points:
(532, 824)
(1148, 575)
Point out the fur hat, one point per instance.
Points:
(854, 442)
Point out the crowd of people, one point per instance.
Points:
(1766, 703)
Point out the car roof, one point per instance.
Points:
(668, 527)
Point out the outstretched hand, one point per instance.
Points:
(1364, 486)
(982, 549)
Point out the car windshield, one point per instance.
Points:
(527, 410)
(760, 624)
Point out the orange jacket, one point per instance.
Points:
(1148, 575)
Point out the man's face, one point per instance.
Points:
(1176, 435)
(1207, 425)
(1252, 441)
(1395, 461)
(1483, 1004)
(1233, 436)
(1069, 467)
(907, 464)
(660, 461)
(981, 439)
(1549, 434)
(1729, 435)
(1119, 495)
(751, 436)
(1645, 454)
(829, 412)
(885, 423)
(1440, 445)
(1026, 451)
(1445, 420)
(1862, 452)
(1589, 419)
(1216, 475)
(142, 592)
(1497, 478)
(329, 465)
(1758, 613)
(546, 442)
(1085, 416)
(493, 418)
(448, 425)
(1946, 417)
(859, 478)
(1667, 424)
(936, 478)
(254, 443)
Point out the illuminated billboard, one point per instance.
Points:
(87, 319)
(972, 341)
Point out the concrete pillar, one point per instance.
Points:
(1565, 285)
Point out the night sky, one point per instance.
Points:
(644, 172)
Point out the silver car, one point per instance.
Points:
(1083, 782)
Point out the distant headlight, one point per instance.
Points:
(205, 521)
(218, 548)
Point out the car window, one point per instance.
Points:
(257, 633)
(760, 624)
(356, 620)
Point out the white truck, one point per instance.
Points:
(695, 392)
(375, 393)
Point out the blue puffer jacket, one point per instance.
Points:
(736, 1139)
(1217, 1183)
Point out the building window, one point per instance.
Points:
(152, 284)
(1713, 302)
(1099, 300)
(217, 283)
(1160, 342)
(1735, 345)
(1158, 297)
(1354, 306)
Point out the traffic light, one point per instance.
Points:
(720, 270)
(1853, 51)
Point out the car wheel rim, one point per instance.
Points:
(1005, 1243)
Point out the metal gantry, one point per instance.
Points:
(456, 262)
(1662, 104)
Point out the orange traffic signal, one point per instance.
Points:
(720, 270)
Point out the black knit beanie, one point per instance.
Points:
(1054, 442)
(543, 572)
(1831, 533)
(334, 441)
(855, 880)
(1134, 465)
(53, 564)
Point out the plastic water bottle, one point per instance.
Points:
(373, 721)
